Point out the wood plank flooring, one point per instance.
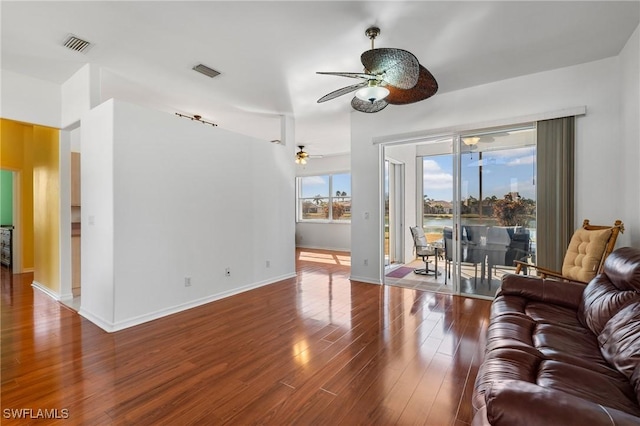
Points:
(316, 349)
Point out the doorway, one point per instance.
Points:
(10, 219)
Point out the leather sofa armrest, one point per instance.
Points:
(517, 402)
(564, 293)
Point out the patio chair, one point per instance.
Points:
(504, 246)
(424, 250)
(588, 249)
(469, 254)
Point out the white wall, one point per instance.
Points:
(598, 148)
(325, 236)
(328, 236)
(74, 144)
(80, 93)
(630, 135)
(97, 237)
(29, 99)
(172, 199)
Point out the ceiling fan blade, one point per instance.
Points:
(400, 68)
(369, 107)
(349, 74)
(426, 87)
(341, 92)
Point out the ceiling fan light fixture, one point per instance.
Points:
(471, 141)
(301, 156)
(372, 92)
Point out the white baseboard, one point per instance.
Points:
(66, 297)
(110, 327)
(46, 290)
(99, 321)
(364, 280)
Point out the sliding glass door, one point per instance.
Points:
(476, 203)
(436, 207)
(497, 204)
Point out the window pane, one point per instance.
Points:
(498, 195)
(325, 197)
(314, 208)
(342, 185)
(437, 197)
(312, 186)
(341, 208)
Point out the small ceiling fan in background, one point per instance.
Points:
(391, 76)
(302, 155)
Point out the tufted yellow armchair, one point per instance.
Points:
(589, 247)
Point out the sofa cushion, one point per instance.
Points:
(614, 392)
(549, 341)
(620, 341)
(549, 291)
(512, 332)
(601, 300)
(573, 346)
(508, 305)
(623, 268)
(553, 314)
(606, 294)
(504, 364)
(582, 260)
(520, 403)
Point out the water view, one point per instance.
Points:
(433, 224)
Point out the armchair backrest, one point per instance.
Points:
(419, 238)
(588, 249)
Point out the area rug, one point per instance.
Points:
(399, 272)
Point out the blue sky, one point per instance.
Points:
(503, 171)
(319, 185)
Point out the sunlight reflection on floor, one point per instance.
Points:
(329, 258)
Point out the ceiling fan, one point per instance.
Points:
(302, 155)
(391, 76)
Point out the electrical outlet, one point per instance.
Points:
(366, 262)
(187, 281)
(268, 264)
(227, 272)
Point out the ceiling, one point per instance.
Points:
(268, 52)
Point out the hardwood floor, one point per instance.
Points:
(316, 349)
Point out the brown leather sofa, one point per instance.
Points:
(564, 353)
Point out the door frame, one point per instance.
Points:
(396, 185)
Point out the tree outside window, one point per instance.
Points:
(325, 198)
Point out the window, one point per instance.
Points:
(317, 193)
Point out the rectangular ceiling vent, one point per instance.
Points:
(74, 43)
(203, 69)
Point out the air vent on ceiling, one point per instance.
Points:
(74, 43)
(203, 69)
